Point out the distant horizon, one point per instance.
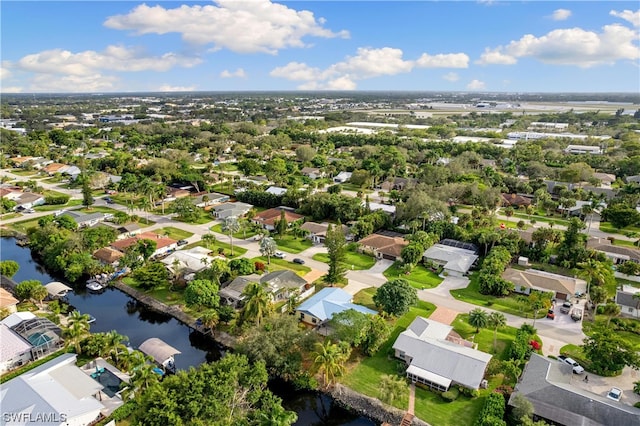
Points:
(263, 46)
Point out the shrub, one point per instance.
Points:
(637, 405)
(57, 199)
(450, 395)
(259, 266)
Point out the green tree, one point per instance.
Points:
(230, 225)
(395, 297)
(202, 293)
(281, 224)
(9, 268)
(38, 294)
(611, 310)
(496, 320)
(185, 210)
(242, 266)
(375, 333)
(329, 359)
(77, 329)
(210, 318)
(412, 253)
(539, 300)
(268, 248)
(349, 326)
(609, 353)
(217, 269)
(114, 345)
(391, 388)
(478, 318)
(26, 288)
(87, 196)
(258, 302)
(209, 240)
(151, 275)
(335, 242)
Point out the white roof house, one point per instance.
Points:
(16, 318)
(58, 390)
(438, 359)
(342, 177)
(193, 260)
(14, 350)
(276, 190)
(455, 261)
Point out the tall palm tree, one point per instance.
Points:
(77, 329)
(133, 360)
(478, 318)
(114, 345)
(258, 302)
(210, 318)
(391, 388)
(495, 321)
(38, 294)
(209, 240)
(146, 206)
(329, 359)
(143, 378)
(611, 310)
(268, 248)
(230, 225)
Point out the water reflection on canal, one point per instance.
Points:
(115, 310)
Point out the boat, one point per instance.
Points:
(161, 352)
(92, 319)
(94, 285)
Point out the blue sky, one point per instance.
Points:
(484, 46)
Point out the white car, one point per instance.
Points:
(615, 394)
(577, 368)
(280, 255)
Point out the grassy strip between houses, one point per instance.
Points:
(215, 247)
(175, 233)
(53, 207)
(291, 244)
(23, 225)
(352, 260)
(240, 235)
(281, 264)
(508, 304)
(419, 278)
(609, 228)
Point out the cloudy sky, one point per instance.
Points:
(486, 45)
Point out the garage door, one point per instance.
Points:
(388, 257)
(562, 296)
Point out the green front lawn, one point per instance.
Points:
(292, 244)
(8, 216)
(420, 278)
(608, 227)
(23, 225)
(203, 217)
(280, 264)
(356, 188)
(237, 251)
(625, 243)
(484, 338)
(97, 209)
(507, 304)
(53, 207)
(248, 232)
(352, 260)
(175, 233)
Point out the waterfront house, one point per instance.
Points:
(280, 284)
(164, 244)
(7, 301)
(14, 351)
(108, 256)
(323, 305)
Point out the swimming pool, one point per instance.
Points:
(110, 381)
(37, 339)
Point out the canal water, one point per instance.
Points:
(114, 310)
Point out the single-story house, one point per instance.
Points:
(73, 172)
(14, 351)
(397, 183)
(108, 256)
(21, 161)
(633, 179)
(439, 358)
(191, 260)
(213, 198)
(85, 219)
(387, 208)
(515, 200)
(317, 232)
(54, 168)
(56, 389)
(268, 218)
(281, 284)
(549, 386)
(583, 149)
(629, 301)
(237, 209)
(323, 305)
(342, 177)
(577, 209)
(455, 261)
(532, 279)
(7, 301)
(606, 179)
(312, 172)
(384, 245)
(25, 200)
(276, 190)
(164, 244)
(618, 254)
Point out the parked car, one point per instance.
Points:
(298, 261)
(577, 368)
(108, 200)
(183, 242)
(576, 314)
(566, 307)
(551, 314)
(29, 211)
(615, 394)
(280, 255)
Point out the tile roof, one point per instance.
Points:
(269, 217)
(161, 241)
(7, 299)
(385, 244)
(533, 278)
(107, 254)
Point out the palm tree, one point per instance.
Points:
(210, 318)
(495, 321)
(268, 248)
(391, 387)
(230, 225)
(329, 359)
(133, 360)
(478, 318)
(114, 346)
(597, 295)
(611, 310)
(277, 416)
(38, 294)
(77, 329)
(587, 210)
(258, 302)
(218, 268)
(209, 240)
(539, 300)
(143, 378)
(146, 206)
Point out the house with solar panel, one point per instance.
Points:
(455, 257)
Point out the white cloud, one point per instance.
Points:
(451, 76)
(4, 73)
(241, 26)
(476, 85)
(169, 88)
(561, 14)
(573, 46)
(12, 89)
(628, 15)
(72, 83)
(367, 63)
(239, 73)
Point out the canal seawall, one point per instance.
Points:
(353, 401)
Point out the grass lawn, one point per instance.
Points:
(356, 188)
(280, 264)
(484, 338)
(352, 260)
(240, 235)
(237, 251)
(542, 217)
(507, 304)
(23, 225)
(175, 233)
(7, 216)
(162, 293)
(224, 188)
(203, 217)
(97, 209)
(625, 243)
(420, 278)
(291, 244)
(608, 227)
(21, 172)
(53, 207)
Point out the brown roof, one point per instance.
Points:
(161, 241)
(542, 280)
(107, 255)
(385, 244)
(54, 167)
(515, 200)
(269, 217)
(320, 229)
(6, 299)
(20, 160)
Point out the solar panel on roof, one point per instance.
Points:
(459, 244)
